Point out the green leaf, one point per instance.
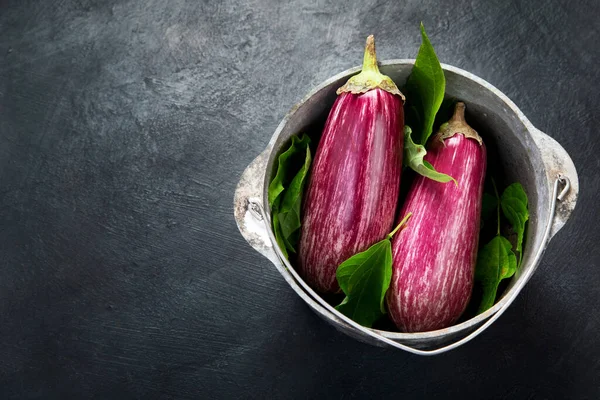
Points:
(289, 209)
(286, 162)
(514, 205)
(425, 87)
(413, 158)
(278, 235)
(365, 278)
(285, 192)
(495, 262)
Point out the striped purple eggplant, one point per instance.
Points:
(434, 256)
(352, 193)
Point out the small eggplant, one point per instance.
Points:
(353, 188)
(434, 256)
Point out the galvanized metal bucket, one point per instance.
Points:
(528, 156)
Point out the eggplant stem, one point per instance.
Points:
(458, 124)
(370, 78)
(403, 222)
(370, 57)
(459, 113)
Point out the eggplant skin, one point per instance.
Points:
(434, 256)
(352, 193)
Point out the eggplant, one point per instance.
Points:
(434, 256)
(353, 188)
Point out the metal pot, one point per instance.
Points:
(527, 156)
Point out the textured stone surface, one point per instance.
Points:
(124, 127)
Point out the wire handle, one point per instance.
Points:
(257, 208)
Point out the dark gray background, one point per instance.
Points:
(124, 127)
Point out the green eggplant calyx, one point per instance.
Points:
(370, 77)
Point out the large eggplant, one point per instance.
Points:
(434, 256)
(353, 189)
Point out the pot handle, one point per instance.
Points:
(558, 195)
(247, 210)
(558, 162)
